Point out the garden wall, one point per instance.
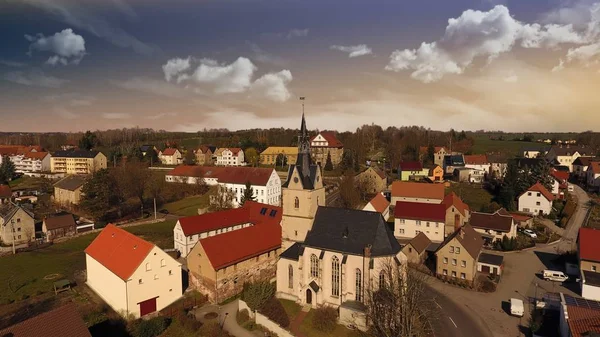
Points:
(272, 326)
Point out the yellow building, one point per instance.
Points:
(269, 155)
(77, 162)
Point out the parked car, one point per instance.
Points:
(530, 233)
(516, 307)
(554, 275)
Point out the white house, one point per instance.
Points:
(536, 200)
(133, 276)
(494, 226)
(265, 182)
(535, 151)
(417, 192)
(170, 156)
(33, 162)
(478, 162)
(379, 204)
(188, 230)
(327, 270)
(412, 218)
(565, 155)
(233, 156)
(593, 175)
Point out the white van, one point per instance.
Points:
(516, 307)
(553, 275)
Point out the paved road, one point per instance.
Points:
(569, 241)
(452, 320)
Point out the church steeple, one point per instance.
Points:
(304, 149)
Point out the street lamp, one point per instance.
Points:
(224, 318)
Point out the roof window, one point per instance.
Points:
(273, 212)
(263, 211)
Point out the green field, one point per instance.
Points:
(23, 274)
(25, 183)
(473, 195)
(483, 144)
(188, 206)
(309, 331)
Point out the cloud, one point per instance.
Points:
(116, 115)
(354, 51)
(65, 113)
(511, 78)
(477, 34)
(151, 86)
(260, 55)
(83, 18)
(293, 33)
(274, 86)
(174, 67)
(162, 115)
(231, 78)
(13, 64)
(71, 99)
(34, 78)
(68, 46)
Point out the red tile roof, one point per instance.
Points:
(232, 175)
(119, 251)
(169, 151)
(520, 217)
(236, 246)
(417, 190)
(595, 167)
(60, 221)
(36, 155)
(411, 166)
(453, 200)
(420, 211)
(476, 159)
(379, 203)
(588, 244)
(582, 320)
(250, 212)
(561, 176)
(540, 188)
(380, 173)
(235, 151)
(59, 322)
(331, 139)
(496, 221)
(5, 191)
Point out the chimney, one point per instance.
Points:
(367, 251)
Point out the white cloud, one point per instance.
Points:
(175, 66)
(80, 16)
(71, 99)
(151, 86)
(11, 63)
(297, 33)
(274, 86)
(560, 66)
(354, 51)
(584, 54)
(65, 113)
(477, 34)
(512, 78)
(162, 115)
(116, 115)
(34, 78)
(230, 78)
(68, 46)
(263, 56)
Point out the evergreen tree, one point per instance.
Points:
(190, 158)
(152, 157)
(541, 173)
(88, 141)
(248, 194)
(430, 154)
(99, 194)
(328, 163)
(7, 170)
(136, 153)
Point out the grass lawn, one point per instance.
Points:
(291, 308)
(23, 274)
(25, 182)
(340, 330)
(510, 147)
(188, 206)
(474, 195)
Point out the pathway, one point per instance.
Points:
(227, 317)
(295, 325)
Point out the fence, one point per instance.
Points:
(271, 326)
(186, 303)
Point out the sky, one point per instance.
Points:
(187, 65)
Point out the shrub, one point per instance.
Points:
(149, 328)
(188, 322)
(325, 319)
(212, 329)
(275, 312)
(243, 316)
(257, 294)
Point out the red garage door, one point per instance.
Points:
(148, 306)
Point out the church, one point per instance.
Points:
(332, 256)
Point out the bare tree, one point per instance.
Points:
(349, 194)
(133, 178)
(221, 199)
(397, 305)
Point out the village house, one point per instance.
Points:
(287, 154)
(468, 174)
(436, 174)
(204, 154)
(593, 176)
(535, 151)
(478, 162)
(457, 213)
(458, 255)
(380, 205)
(579, 317)
(67, 191)
(560, 185)
(58, 226)
(589, 262)
(439, 152)
(580, 166)
(522, 220)
(133, 276)
(233, 156)
(17, 225)
(5, 194)
(371, 180)
(33, 162)
(147, 148)
(537, 200)
(304, 190)
(265, 182)
(62, 321)
(416, 250)
(490, 264)
(16, 153)
(498, 165)
(170, 156)
(219, 265)
(188, 230)
(412, 170)
(565, 155)
(77, 162)
(340, 262)
(417, 192)
(452, 162)
(494, 226)
(324, 144)
(412, 218)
